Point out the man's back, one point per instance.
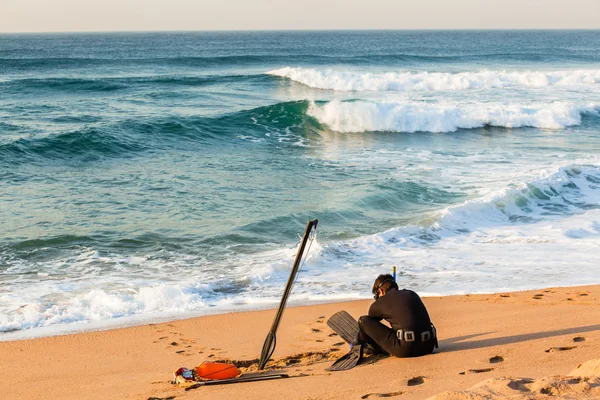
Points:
(403, 309)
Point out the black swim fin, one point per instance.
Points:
(344, 325)
(347, 361)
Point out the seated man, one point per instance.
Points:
(412, 333)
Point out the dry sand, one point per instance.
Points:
(514, 345)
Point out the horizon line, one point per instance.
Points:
(302, 30)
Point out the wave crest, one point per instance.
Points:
(434, 81)
(404, 116)
(570, 190)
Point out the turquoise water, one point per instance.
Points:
(169, 174)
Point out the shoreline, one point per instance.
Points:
(525, 329)
(137, 320)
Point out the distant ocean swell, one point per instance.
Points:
(33, 63)
(20, 85)
(340, 80)
(134, 136)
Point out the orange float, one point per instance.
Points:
(216, 371)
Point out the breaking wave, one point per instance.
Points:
(405, 116)
(570, 190)
(433, 81)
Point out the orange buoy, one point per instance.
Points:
(217, 371)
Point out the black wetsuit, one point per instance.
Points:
(404, 310)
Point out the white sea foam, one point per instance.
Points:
(407, 116)
(427, 81)
(107, 297)
(97, 304)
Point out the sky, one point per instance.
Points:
(192, 15)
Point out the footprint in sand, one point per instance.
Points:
(476, 371)
(505, 295)
(333, 334)
(174, 344)
(162, 398)
(391, 394)
(520, 384)
(564, 348)
(496, 360)
(316, 330)
(339, 344)
(538, 296)
(417, 380)
(579, 339)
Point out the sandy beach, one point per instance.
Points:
(507, 341)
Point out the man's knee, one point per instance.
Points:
(365, 320)
(367, 327)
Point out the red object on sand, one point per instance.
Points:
(217, 371)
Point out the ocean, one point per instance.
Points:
(147, 176)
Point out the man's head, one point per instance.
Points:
(382, 284)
